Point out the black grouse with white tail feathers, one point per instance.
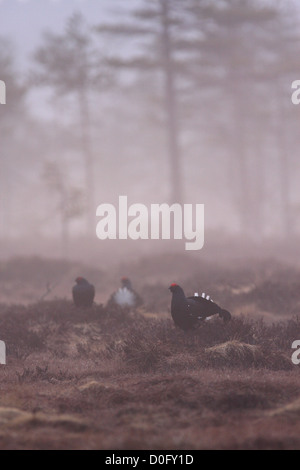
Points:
(83, 293)
(125, 296)
(188, 312)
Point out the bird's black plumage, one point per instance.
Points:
(83, 293)
(187, 312)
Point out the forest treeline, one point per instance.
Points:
(168, 101)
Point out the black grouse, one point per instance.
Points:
(125, 296)
(83, 293)
(187, 312)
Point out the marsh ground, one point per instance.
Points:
(112, 379)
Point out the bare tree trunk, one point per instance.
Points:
(65, 238)
(236, 77)
(85, 124)
(259, 179)
(171, 106)
(284, 167)
(241, 158)
(5, 204)
(284, 163)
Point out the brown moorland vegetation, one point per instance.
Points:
(119, 379)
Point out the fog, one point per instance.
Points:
(164, 102)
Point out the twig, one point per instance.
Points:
(49, 290)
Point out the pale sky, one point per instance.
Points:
(23, 21)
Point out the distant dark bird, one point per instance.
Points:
(83, 293)
(125, 296)
(187, 312)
